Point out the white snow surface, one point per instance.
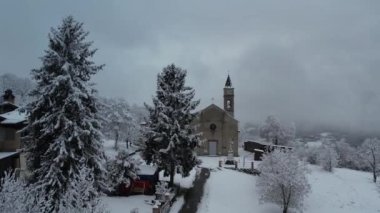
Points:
(343, 191)
(127, 204)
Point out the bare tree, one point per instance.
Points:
(283, 180)
(370, 153)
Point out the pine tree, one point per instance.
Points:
(171, 139)
(63, 127)
(121, 170)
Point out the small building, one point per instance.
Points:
(11, 122)
(218, 126)
(260, 148)
(145, 183)
(148, 177)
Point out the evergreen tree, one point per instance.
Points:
(121, 170)
(63, 128)
(171, 139)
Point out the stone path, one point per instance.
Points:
(193, 196)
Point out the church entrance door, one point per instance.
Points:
(212, 148)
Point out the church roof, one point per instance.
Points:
(228, 82)
(213, 106)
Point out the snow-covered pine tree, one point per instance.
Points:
(63, 129)
(121, 170)
(171, 138)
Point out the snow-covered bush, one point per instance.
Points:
(327, 157)
(347, 155)
(310, 154)
(12, 194)
(283, 180)
(121, 170)
(81, 197)
(370, 155)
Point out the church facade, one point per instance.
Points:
(218, 126)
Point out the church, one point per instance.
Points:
(218, 126)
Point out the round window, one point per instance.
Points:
(212, 127)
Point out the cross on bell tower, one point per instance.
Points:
(229, 97)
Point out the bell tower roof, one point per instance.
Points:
(228, 82)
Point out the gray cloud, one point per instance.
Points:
(308, 62)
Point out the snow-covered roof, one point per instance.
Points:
(13, 117)
(6, 154)
(146, 170)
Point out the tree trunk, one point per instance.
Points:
(116, 140)
(285, 209)
(172, 173)
(374, 176)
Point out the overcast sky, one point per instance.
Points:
(314, 62)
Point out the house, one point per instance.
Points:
(11, 122)
(259, 148)
(219, 127)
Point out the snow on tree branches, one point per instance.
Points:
(283, 180)
(327, 157)
(275, 133)
(121, 170)
(64, 135)
(370, 153)
(120, 122)
(171, 138)
(13, 194)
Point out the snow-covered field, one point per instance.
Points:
(343, 191)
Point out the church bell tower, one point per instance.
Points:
(229, 97)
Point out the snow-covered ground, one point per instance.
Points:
(343, 191)
(127, 204)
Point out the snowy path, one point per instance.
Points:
(193, 195)
(230, 191)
